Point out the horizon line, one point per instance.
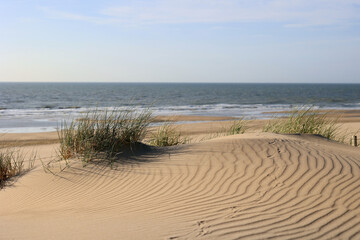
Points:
(188, 82)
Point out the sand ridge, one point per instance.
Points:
(251, 186)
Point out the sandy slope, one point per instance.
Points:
(251, 186)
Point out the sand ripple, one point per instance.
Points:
(243, 187)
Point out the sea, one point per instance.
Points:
(41, 107)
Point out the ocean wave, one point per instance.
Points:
(207, 109)
(47, 119)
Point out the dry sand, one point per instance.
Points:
(251, 186)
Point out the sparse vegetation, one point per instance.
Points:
(12, 164)
(305, 120)
(102, 134)
(167, 135)
(237, 127)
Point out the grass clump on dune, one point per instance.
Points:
(102, 133)
(305, 120)
(166, 135)
(12, 164)
(237, 127)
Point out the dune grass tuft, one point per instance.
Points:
(102, 133)
(167, 135)
(237, 127)
(12, 164)
(305, 120)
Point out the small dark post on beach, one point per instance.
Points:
(355, 141)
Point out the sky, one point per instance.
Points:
(292, 41)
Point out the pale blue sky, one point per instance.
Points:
(180, 41)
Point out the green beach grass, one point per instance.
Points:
(167, 135)
(102, 134)
(237, 127)
(12, 164)
(307, 121)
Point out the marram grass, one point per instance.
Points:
(102, 133)
(305, 120)
(237, 127)
(167, 135)
(12, 164)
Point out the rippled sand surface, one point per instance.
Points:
(251, 186)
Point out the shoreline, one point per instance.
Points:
(38, 119)
(188, 125)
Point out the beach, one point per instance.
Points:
(180, 120)
(254, 185)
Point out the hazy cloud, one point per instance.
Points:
(56, 14)
(292, 13)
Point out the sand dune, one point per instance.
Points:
(251, 186)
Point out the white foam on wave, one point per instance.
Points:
(30, 120)
(27, 129)
(234, 110)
